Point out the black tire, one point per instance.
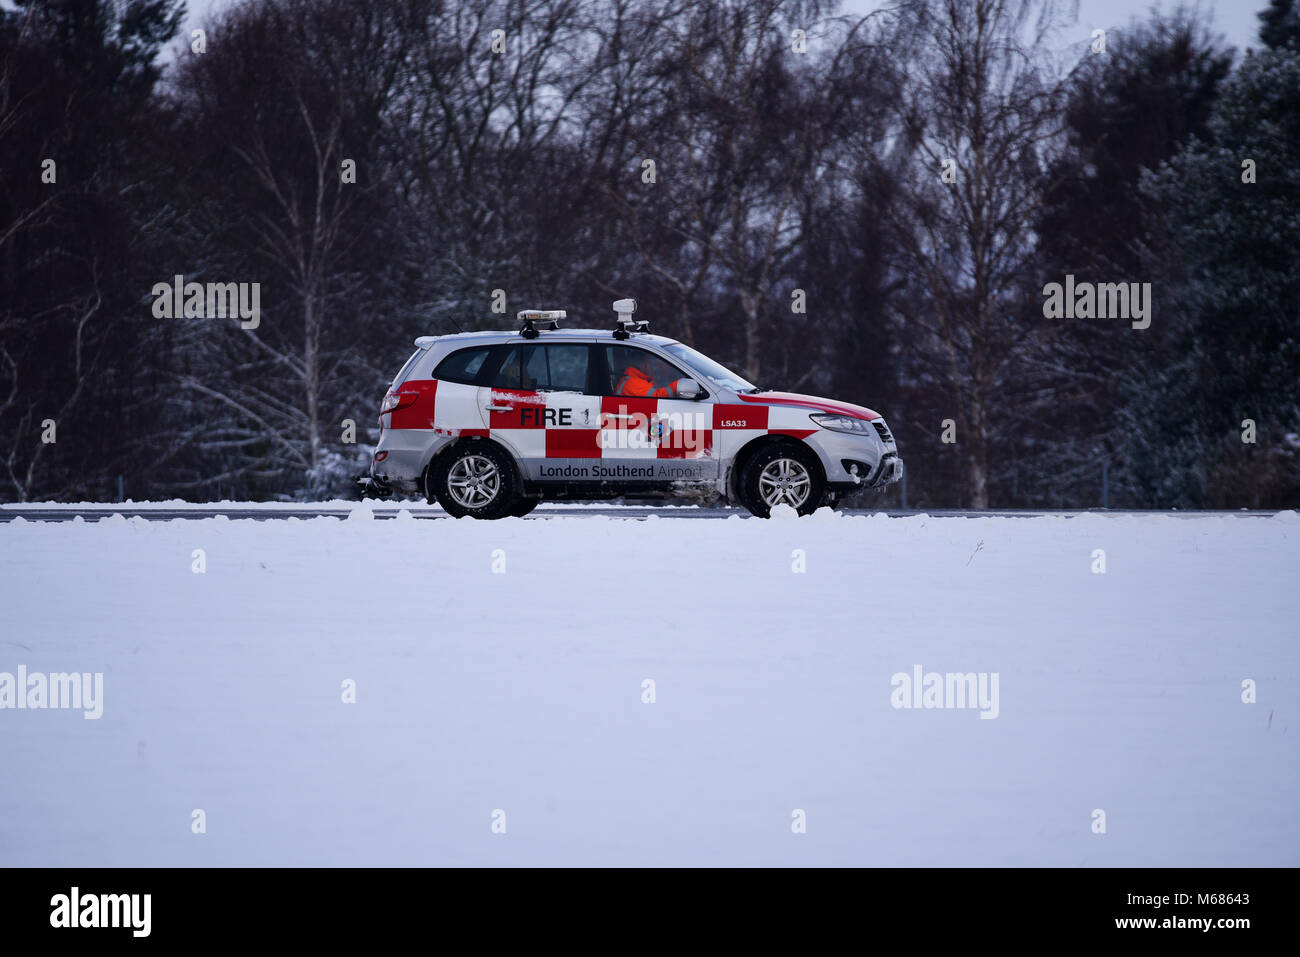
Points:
(523, 506)
(498, 490)
(748, 485)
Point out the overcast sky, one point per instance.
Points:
(1235, 19)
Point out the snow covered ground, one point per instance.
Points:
(501, 667)
(175, 504)
(335, 506)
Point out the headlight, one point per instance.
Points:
(843, 423)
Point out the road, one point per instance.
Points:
(266, 512)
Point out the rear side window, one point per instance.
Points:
(462, 366)
(544, 368)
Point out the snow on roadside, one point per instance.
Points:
(179, 504)
(336, 505)
(501, 666)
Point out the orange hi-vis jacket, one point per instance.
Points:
(635, 382)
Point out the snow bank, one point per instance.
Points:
(336, 505)
(502, 667)
(178, 504)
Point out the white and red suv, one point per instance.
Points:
(491, 423)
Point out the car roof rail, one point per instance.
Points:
(531, 319)
(624, 324)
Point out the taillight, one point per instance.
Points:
(397, 400)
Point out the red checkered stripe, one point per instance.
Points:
(565, 425)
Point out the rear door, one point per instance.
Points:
(539, 406)
(455, 387)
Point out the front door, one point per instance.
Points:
(647, 434)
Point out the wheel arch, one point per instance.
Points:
(464, 442)
(758, 444)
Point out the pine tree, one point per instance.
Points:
(1231, 342)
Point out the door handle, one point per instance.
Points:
(499, 408)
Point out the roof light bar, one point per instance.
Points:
(531, 319)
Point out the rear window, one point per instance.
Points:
(462, 366)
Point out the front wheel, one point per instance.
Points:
(782, 475)
(476, 480)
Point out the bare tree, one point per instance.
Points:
(977, 126)
(733, 138)
(302, 215)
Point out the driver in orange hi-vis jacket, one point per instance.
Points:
(636, 382)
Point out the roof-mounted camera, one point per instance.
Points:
(624, 324)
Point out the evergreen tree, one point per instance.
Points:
(1131, 107)
(1230, 349)
(78, 149)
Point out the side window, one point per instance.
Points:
(634, 371)
(544, 368)
(567, 366)
(509, 376)
(536, 378)
(462, 366)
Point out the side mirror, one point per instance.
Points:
(689, 389)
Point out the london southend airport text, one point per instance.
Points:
(620, 471)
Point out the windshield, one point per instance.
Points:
(715, 372)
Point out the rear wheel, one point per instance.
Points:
(782, 475)
(476, 479)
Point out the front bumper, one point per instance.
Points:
(853, 461)
(889, 472)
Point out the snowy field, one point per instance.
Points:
(500, 676)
